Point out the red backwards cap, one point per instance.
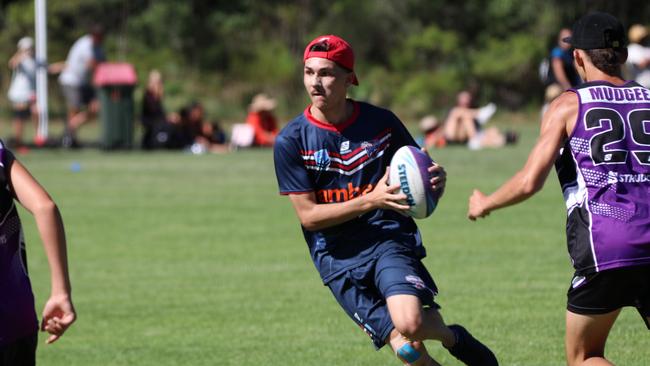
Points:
(332, 48)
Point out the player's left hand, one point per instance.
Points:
(477, 204)
(58, 315)
(438, 176)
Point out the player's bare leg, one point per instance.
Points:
(412, 353)
(468, 125)
(418, 324)
(38, 140)
(415, 322)
(76, 119)
(454, 127)
(586, 336)
(492, 137)
(17, 124)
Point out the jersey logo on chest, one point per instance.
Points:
(322, 159)
(345, 147)
(347, 163)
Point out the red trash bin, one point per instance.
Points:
(115, 82)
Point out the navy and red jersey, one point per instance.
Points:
(340, 163)
(17, 315)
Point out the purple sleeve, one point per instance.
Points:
(6, 159)
(289, 167)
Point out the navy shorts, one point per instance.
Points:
(606, 291)
(362, 291)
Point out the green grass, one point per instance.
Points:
(196, 260)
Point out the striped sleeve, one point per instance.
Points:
(290, 169)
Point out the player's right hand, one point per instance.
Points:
(387, 196)
(58, 315)
(477, 205)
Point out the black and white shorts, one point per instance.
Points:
(606, 291)
(21, 352)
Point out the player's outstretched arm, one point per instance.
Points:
(59, 313)
(314, 216)
(557, 123)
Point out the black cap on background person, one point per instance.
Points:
(597, 30)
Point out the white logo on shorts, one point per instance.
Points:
(369, 329)
(577, 281)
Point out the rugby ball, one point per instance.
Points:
(409, 167)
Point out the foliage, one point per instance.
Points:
(411, 55)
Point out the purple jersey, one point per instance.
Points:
(17, 315)
(340, 163)
(604, 170)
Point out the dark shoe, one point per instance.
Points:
(69, 142)
(511, 137)
(469, 350)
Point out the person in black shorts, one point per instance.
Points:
(596, 135)
(76, 82)
(18, 321)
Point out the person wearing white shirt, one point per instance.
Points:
(75, 80)
(22, 90)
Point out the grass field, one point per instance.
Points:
(179, 259)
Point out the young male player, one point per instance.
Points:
(332, 163)
(18, 322)
(598, 136)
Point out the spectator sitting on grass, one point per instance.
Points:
(156, 124)
(464, 125)
(261, 118)
(198, 134)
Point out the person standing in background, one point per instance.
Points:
(76, 82)
(562, 70)
(22, 90)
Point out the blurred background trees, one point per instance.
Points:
(412, 55)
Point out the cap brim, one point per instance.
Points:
(355, 81)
